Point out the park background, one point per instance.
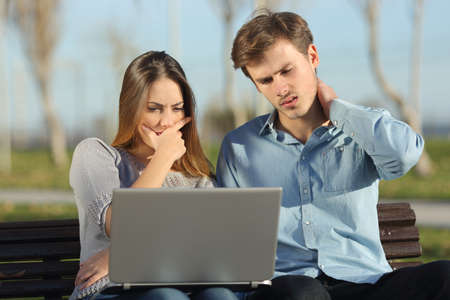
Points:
(61, 73)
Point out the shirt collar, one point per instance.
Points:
(269, 124)
(322, 132)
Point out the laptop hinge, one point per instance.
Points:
(127, 286)
(255, 284)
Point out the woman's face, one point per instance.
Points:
(163, 106)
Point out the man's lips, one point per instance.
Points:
(289, 102)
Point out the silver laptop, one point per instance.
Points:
(194, 237)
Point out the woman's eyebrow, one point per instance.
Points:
(179, 103)
(161, 105)
(155, 103)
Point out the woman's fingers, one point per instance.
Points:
(83, 275)
(91, 280)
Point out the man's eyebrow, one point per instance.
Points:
(262, 79)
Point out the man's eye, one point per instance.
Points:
(266, 81)
(179, 108)
(286, 71)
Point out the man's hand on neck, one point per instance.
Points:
(326, 95)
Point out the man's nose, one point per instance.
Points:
(281, 87)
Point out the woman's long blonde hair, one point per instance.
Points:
(140, 74)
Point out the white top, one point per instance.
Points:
(96, 170)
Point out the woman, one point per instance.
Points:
(157, 145)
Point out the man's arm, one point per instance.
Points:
(393, 146)
(225, 171)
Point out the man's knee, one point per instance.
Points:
(440, 274)
(215, 293)
(159, 294)
(299, 288)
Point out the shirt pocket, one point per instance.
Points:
(343, 168)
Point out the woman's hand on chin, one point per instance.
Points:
(169, 144)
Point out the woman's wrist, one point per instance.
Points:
(161, 155)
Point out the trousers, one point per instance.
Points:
(429, 281)
(169, 294)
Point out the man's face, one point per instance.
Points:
(287, 79)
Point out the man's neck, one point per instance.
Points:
(303, 127)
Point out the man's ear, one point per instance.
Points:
(313, 56)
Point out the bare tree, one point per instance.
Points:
(5, 132)
(37, 23)
(123, 51)
(409, 113)
(227, 11)
(173, 20)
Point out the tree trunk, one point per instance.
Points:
(55, 128)
(408, 113)
(5, 131)
(424, 167)
(239, 111)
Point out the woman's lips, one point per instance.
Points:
(157, 132)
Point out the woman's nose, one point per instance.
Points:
(167, 119)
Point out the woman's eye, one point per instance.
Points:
(286, 71)
(152, 109)
(179, 109)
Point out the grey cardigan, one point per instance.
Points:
(96, 170)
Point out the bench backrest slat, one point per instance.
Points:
(39, 250)
(39, 269)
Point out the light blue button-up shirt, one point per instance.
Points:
(328, 219)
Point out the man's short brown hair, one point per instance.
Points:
(261, 32)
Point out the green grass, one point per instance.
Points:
(33, 212)
(34, 170)
(437, 186)
(435, 243)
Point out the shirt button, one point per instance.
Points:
(305, 191)
(307, 223)
(321, 266)
(303, 158)
(335, 122)
(353, 134)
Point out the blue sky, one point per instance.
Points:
(85, 85)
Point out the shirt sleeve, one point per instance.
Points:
(393, 146)
(93, 176)
(225, 171)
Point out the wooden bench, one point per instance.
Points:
(40, 258)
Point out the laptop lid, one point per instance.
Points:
(193, 236)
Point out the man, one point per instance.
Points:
(328, 155)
